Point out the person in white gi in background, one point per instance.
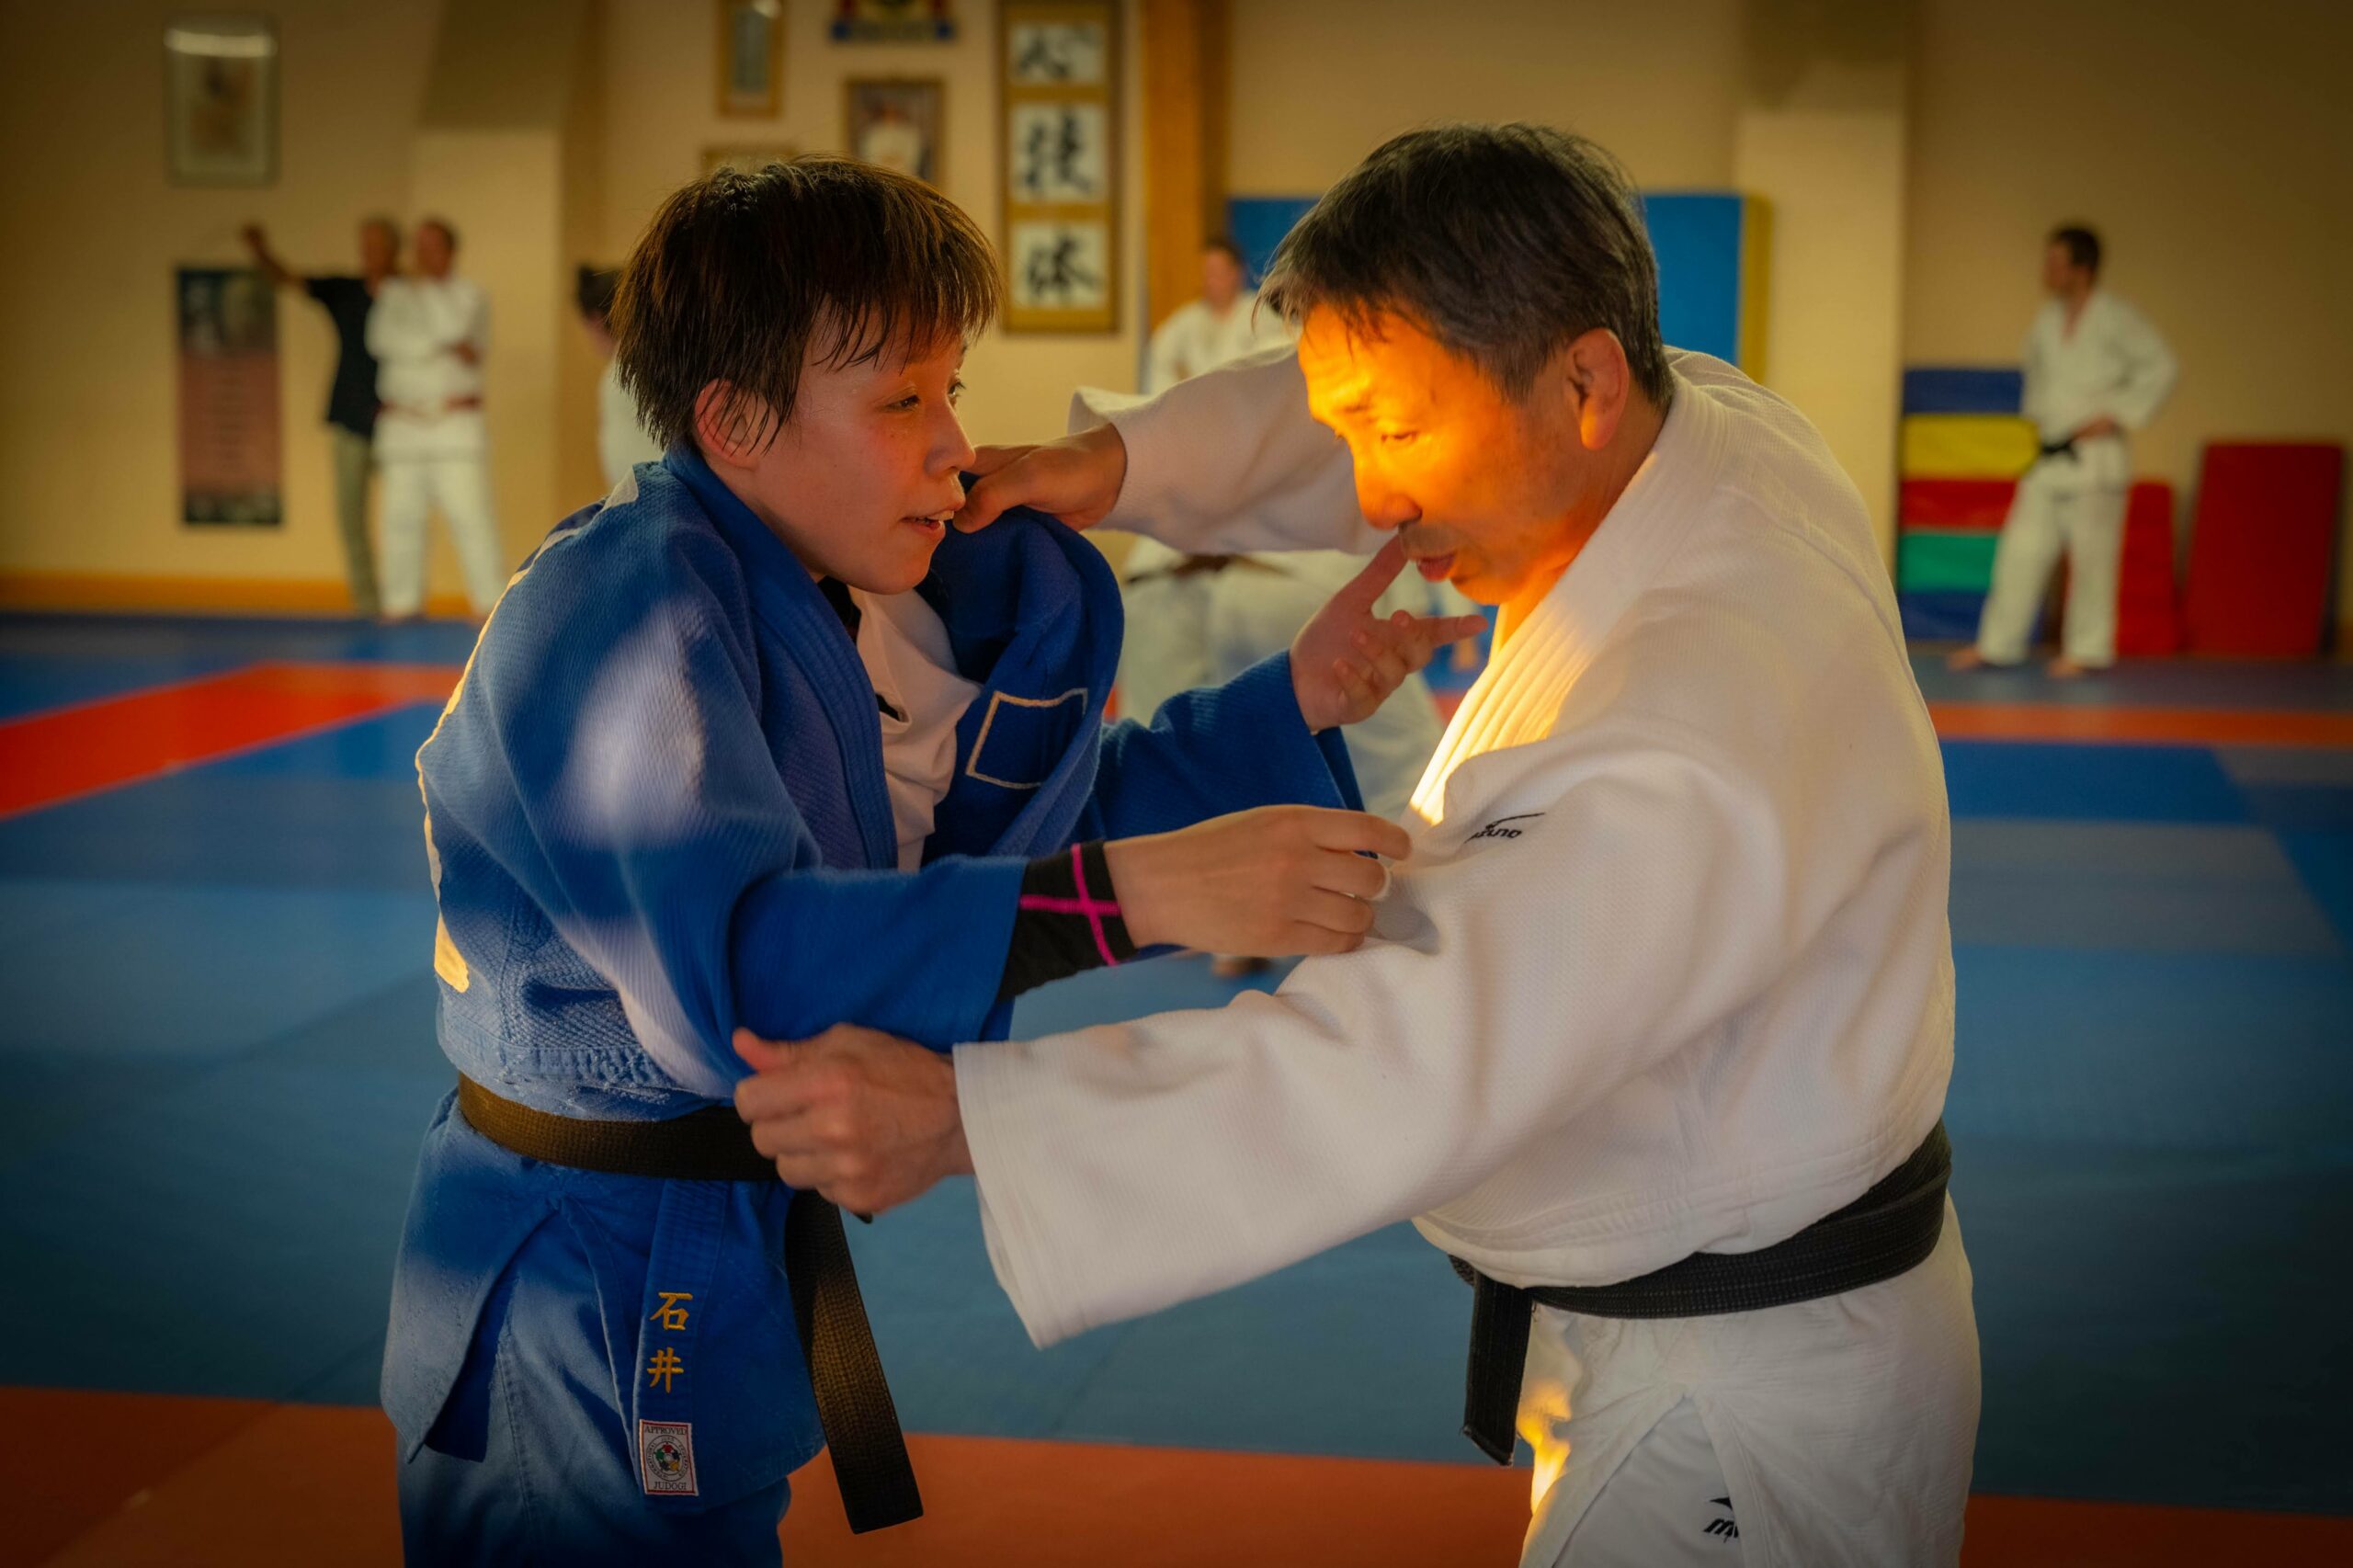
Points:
(623, 440)
(1201, 619)
(429, 334)
(1660, 1008)
(2095, 370)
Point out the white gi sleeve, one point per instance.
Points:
(2150, 369)
(399, 325)
(1231, 461)
(1511, 986)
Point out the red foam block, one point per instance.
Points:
(1976, 504)
(2148, 620)
(2260, 545)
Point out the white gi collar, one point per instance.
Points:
(1518, 698)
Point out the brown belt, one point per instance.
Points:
(854, 1406)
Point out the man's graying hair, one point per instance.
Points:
(1502, 241)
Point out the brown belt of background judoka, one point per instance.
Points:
(861, 1424)
(1886, 1232)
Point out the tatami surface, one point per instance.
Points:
(216, 1015)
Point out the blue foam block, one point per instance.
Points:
(1940, 615)
(1963, 389)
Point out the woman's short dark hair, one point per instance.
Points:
(1504, 242)
(2083, 245)
(744, 277)
(593, 291)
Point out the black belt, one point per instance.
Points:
(861, 1424)
(1886, 1232)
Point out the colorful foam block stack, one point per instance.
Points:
(1964, 446)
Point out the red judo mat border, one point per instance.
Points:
(62, 754)
(128, 1480)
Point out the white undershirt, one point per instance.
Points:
(904, 647)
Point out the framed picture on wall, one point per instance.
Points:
(898, 123)
(747, 156)
(893, 21)
(1059, 144)
(751, 58)
(220, 99)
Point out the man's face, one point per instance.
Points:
(379, 252)
(1220, 279)
(1477, 485)
(860, 482)
(433, 252)
(2060, 273)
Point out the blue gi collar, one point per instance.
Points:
(788, 601)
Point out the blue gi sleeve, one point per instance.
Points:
(605, 751)
(1219, 749)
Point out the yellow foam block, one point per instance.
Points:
(1968, 445)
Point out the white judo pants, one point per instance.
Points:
(1830, 1434)
(459, 485)
(2086, 522)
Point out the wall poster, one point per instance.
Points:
(229, 431)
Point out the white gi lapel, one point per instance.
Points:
(1517, 698)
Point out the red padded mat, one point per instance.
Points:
(2260, 548)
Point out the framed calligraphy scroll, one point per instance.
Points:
(1060, 144)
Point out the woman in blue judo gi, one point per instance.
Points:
(757, 742)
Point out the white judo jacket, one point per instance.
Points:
(2112, 363)
(413, 330)
(1669, 970)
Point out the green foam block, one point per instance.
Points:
(1927, 561)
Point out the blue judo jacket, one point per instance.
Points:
(655, 810)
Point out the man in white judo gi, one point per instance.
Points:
(429, 335)
(1654, 1032)
(1199, 619)
(2095, 370)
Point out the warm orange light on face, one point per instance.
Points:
(1472, 477)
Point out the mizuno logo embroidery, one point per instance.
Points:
(1724, 1527)
(1501, 828)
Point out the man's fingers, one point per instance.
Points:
(986, 460)
(1390, 661)
(1379, 573)
(1356, 830)
(990, 495)
(1335, 912)
(1354, 876)
(762, 1055)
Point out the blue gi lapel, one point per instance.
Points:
(787, 601)
(1032, 612)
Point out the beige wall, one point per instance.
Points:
(546, 129)
(94, 230)
(1801, 102)
(1910, 186)
(1821, 136)
(1318, 84)
(658, 117)
(2212, 148)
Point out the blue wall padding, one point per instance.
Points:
(1257, 224)
(1963, 389)
(1695, 234)
(1940, 615)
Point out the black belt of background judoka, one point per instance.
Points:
(1886, 1232)
(853, 1406)
(1200, 567)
